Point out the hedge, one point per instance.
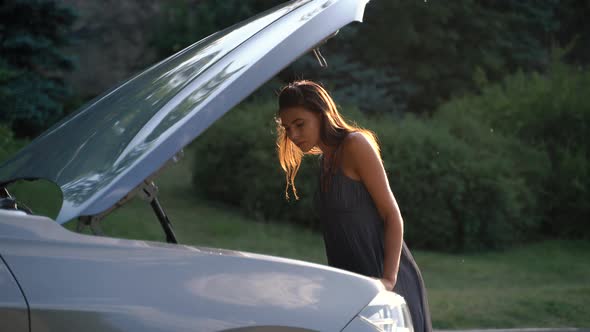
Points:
(455, 193)
(551, 113)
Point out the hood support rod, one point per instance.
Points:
(164, 221)
(150, 191)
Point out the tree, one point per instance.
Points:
(437, 46)
(407, 55)
(32, 62)
(183, 22)
(574, 28)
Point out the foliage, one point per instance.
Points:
(551, 113)
(459, 186)
(183, 22)
(409, 55)
(468, 191)
(32, 63)
(491, 186)
(235, 162)
(436, 46)
(372, 90)
(574, 30)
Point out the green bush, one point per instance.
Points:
(33, 63)
(485, 171)
(550, 113)
(183, 22)
(236, 163)
(458, 185)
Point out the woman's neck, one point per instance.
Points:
(327, 150)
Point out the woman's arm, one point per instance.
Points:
(366, 163)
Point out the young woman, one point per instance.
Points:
(360, 218)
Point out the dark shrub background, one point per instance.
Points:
(485, 171)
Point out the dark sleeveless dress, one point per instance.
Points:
(354, 239)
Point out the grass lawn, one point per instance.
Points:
(537, 285)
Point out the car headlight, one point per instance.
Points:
(388, 312)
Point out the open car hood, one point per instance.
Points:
(99, 154)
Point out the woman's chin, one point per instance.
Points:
(305, 148)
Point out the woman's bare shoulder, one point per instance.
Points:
(358, 149)
(356, 141)
(361, 158)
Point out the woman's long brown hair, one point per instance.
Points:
(333, 129)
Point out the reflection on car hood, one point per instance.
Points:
(107, 148)
(113, 284)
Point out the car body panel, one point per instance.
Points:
(108, 284)
(14, 312)
(106, 149)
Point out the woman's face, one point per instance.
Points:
(302, 126)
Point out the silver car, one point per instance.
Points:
(53, 279)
